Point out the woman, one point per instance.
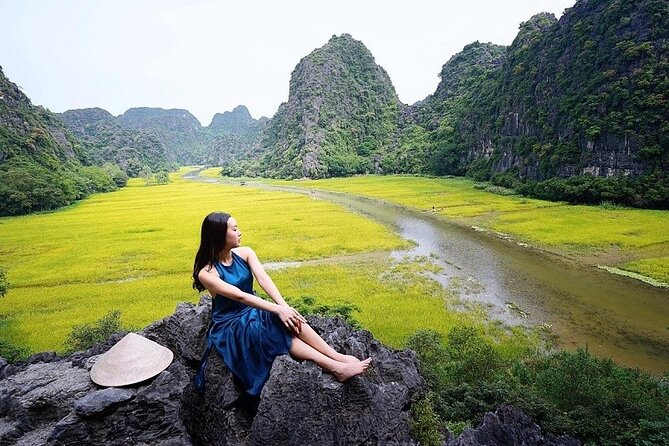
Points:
(247, 331)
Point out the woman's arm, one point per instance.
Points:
(262, 277)
(213, 283)
(270, 288)
(288, 315)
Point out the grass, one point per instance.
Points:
(633, 239)
(133, 250)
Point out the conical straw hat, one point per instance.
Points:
(131, 360)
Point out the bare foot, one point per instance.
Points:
(346, 358)
(348, 370)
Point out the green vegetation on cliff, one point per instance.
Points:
(583, 95)
(106, 141)
(441, 115)
(42, 165)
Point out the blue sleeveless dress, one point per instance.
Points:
(247, 338)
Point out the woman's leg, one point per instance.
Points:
(341, 370)
(309, 336)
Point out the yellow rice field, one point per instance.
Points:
(133, 250)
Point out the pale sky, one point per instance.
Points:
(208, 56)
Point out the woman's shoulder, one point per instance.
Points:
(243, 251)
(207, 269)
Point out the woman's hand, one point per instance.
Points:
(291, 318)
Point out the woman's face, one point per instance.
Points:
(233, 237)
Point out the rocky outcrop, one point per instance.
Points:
(509, 426)
(238, 121)
(51, 400)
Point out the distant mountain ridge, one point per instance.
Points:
(49, 160)
(178, 130)
(161, 138)
(106, 140)
(238, 121)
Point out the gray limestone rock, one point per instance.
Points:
(509, 426)
(219, 416)
(301, 404)
(184, 331)
(102, 401)
(151, 417)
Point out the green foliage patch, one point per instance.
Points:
(568, 392)
(27, 187)
(308, 305)
(85, 336)
(4, 284)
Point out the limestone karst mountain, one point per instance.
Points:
(340, 118)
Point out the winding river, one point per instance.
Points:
(613, 316)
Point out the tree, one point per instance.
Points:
(119, 177)
(85, 336)
(162, 177)
(146, 174)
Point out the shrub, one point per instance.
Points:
(13, 353)
(162, 177)
(97, 179)
(9, 351)
(425, 426)
(85, 336)
(118, 176)
(470, 358)
(600, 401)
(647, 191)
(308, 305)
(428, 347)
(499, 190)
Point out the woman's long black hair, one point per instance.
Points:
(212, 242)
